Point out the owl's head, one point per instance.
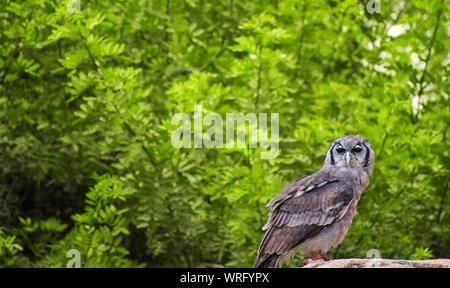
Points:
(351, 151)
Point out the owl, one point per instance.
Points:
(313, 213)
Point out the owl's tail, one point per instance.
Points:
(262, 261)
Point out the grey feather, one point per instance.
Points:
(313, 213)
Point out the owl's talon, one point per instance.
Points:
(314, 256)
(325, 257)
(306, 260)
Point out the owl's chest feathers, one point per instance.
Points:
(356, 178)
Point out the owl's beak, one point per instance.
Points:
(348, 156)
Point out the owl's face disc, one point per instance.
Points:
(350, 151)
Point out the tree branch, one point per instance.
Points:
(130, 131)
(427, 61)
(186, 71)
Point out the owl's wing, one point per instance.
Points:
(301, 211)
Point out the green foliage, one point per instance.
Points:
(8, 248)
(97, 233)
(94, 93)
(421, 253)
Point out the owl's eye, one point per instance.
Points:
(340, 150)
(357, 149)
